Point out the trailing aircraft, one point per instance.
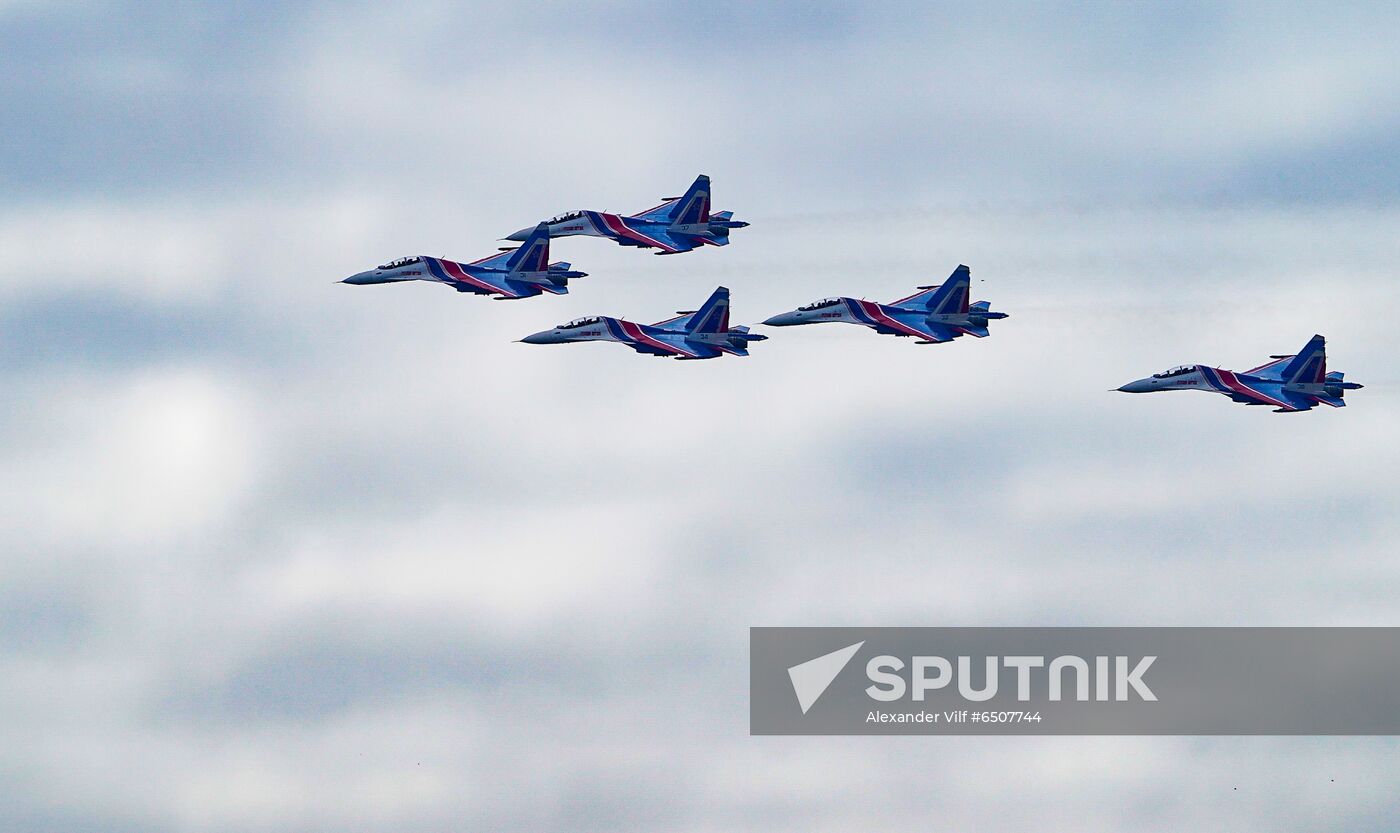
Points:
(514, 273)
(692, 334)
(932, 315)
(1289, 383)
(677, 225)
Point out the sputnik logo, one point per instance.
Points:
(810, 679)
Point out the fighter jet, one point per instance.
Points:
(514, 273)
(702, 334)
(677, 225)
(1289, 383)
(932, 315)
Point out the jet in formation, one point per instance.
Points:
(677, 225)
(932, 315)
(692, 334)
(514, 273)
(1289, 383)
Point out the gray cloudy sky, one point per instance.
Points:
(285, 555)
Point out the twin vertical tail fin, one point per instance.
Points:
(1309, 367)
(710, 325)
(533, 254)
(951, 297)
(694, 206)
(713, 318)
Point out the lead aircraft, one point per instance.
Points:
(692, 334)
(514, 273)
(1289, 383)
(677, 225)
(932, 315)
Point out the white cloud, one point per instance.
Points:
(105, 464)
(323, 481)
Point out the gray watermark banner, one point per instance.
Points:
(1074, 681)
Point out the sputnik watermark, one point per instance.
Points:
(887, 686)
(1074, 680)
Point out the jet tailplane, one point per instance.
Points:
(711, 321)
(533, 254)
(1309, 367)
(693, 207)
(951, 297)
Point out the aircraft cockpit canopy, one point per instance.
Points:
(825, 302)
(566, 216)
(1175, 371)
(403, 261)
(580, 322)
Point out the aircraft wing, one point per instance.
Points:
(1271, 370)
(1295, 401)
(667, 242)
(1254, 390)
(892, 321)
(657, 343)
(677, 323)
(463, 278)
(942, 332)
(632, 231)
(659, 214)
(525, 289)
(496, 261)
(697, 240)
(919, 300)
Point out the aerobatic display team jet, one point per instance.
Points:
(677, 225)
(514, 273)
(1289, 383)
(932, 315)
(702, 334)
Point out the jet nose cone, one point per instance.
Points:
(544, 337)
(519, 236)
(360, 278)
(783, 319)
(1139, 386)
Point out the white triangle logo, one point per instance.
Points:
(810, 679)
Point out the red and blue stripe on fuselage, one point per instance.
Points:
(466, 279)
(1236, 385)
(625, 230)
(884, 320)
